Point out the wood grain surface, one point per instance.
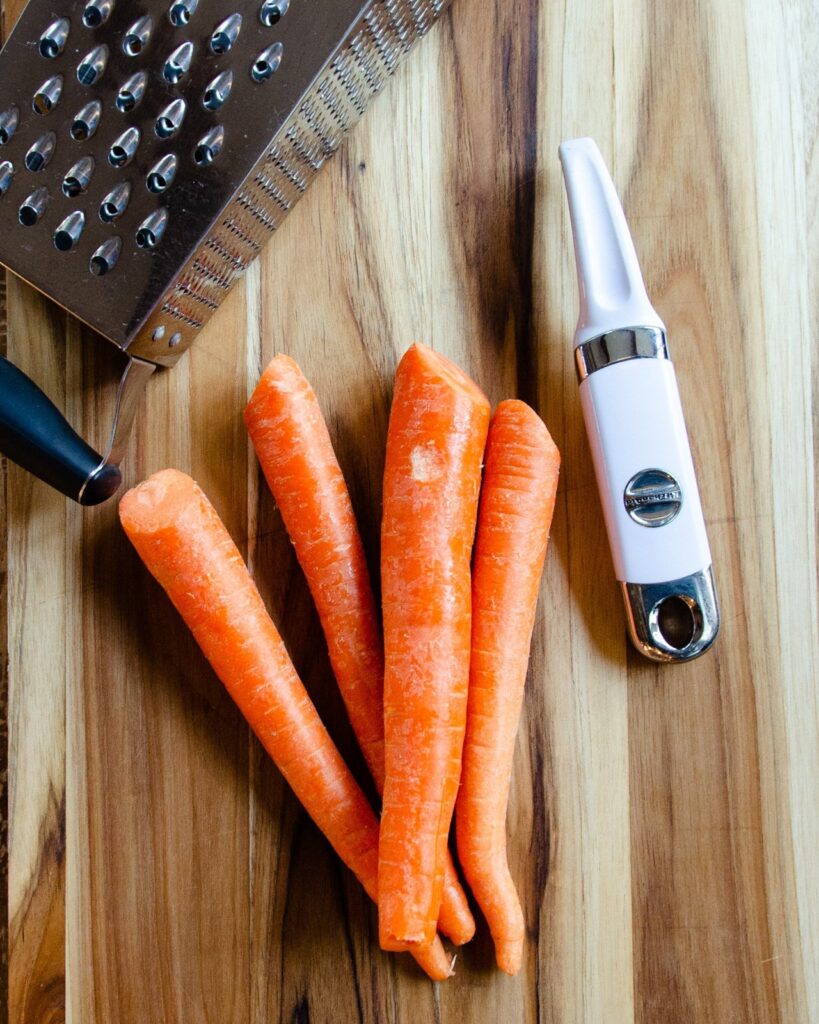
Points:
(664, 822)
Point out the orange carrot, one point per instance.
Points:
(517, 503)
(184, 544)
(435, 443)
(296, 454)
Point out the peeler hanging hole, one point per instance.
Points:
(679, 621)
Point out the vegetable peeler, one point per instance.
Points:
(634, 420)
(147, 152)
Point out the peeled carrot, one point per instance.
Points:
(181, 539)
(432, 474)
(296, 454)
(517, 504)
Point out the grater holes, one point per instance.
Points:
(209, 146)
(161, 175)
(106, 256)
(92, 66)
(41, 152)
(131, 92)
(182, 11)
(69, 231)
(48, 95)
(115, 203)
(8, 124)
(267, 63)
(78, 178)
(138, 36)
(159, 333)
(32, 208)
(217, 91)
(97, 12)
(53, 40)
(170, 120)
(86, 121)
(225, 35)
(272, 11)
(174, 339)
(124, 147)
(6, 176)
(150, 231)
(178, 63)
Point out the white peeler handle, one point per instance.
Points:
(634, 420)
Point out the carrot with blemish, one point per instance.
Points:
(516, 508)
(184, 544)
(296, 454)
(435, 443)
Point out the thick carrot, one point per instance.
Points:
(432, 474)
(296, 454)
(517, 503)
(184, 544)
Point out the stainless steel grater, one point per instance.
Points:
(147, 151)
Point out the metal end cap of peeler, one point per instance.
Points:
(674, 621)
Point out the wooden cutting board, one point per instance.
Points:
(664, 822)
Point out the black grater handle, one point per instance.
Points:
(36, 435)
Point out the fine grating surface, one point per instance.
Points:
(148, 150)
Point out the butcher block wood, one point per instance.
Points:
(664, 821)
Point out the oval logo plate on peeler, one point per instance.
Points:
(652, 497)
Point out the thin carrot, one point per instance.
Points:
(435, 443)
(296, 454)
(181, 539)
(517, 504)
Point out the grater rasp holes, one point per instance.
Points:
(48, 95)
(124, 147)
(6, 176)
(69, 231)
(105, 257)
(41, 152)
(33, 207)
(8, 124)
(115, 203)
(86, 121)
(97, 12)
(78, 178)
(92, 67)
(182, 11)
(225, 35)
(131, 92)
(53, 40)
(138, 36)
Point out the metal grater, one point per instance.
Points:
(148, 150)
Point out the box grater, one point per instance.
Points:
(147, 151)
